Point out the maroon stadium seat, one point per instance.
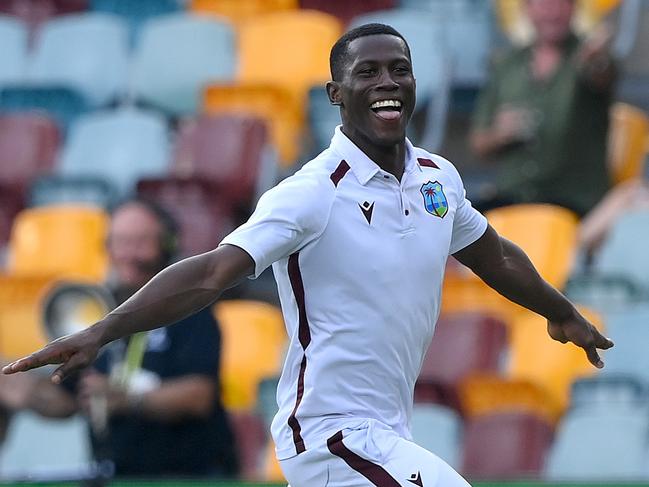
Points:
(505, 446)
(250, 435)
(11, 202)
(346, 10)
(464, 343)
(35, 12)
(224, 149)
(28, 146)
(203, 219)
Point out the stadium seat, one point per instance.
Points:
(177, 55)
(13, 55)
(62, 103)
(21, 316)
(267, 399)
(550, 364)
(345, 10)
(241, 10)
(88, 52)
(28, 147)
(203, 217)
(272, 472)
(34, 12)
(438, 429)
(250, 436)
(546, 233)
(479, 338)
(136, 14)
(624, 252)
(505, 446)
(603, 293)
(484, 394)
(307, 35)
(227, 150)
(11, 202)
(60, 190)
(45, 448)
(608, 391)
(628, 330)
(65, 241)
(274, 104)
(628, 142)
(120, 145)
(430, 58)
(468, 29)
(600, 445)
(253, 348)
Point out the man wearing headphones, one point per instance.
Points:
(169, 419)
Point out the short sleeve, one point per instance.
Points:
(468, 226)
(287, 217)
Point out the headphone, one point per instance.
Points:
(169, 235)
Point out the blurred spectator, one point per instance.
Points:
(168, 418)
(543, 116)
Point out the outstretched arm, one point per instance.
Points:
(175, 293)
(506, 268)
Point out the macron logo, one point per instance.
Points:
(416, 479)
(367, 209)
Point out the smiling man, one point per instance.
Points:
(358, 240)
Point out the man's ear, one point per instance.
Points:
(333, 92)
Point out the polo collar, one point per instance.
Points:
(362, 166)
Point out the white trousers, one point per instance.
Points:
(369, 455)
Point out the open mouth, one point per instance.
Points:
(387, 109)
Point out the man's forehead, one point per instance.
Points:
(376, 46)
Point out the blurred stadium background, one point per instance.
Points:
(202, 104)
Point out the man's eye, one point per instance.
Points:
(366, 72)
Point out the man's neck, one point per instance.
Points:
(391, 159)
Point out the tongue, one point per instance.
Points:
(388, 114)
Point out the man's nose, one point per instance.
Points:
(386, 81)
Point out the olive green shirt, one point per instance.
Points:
(563, 159)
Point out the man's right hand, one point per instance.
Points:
(74, 352)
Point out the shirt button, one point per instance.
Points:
(386, 176)
(407, 212)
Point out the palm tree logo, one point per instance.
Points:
(434, 198)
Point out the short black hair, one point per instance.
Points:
(338, 53)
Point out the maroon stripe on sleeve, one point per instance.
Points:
(304, 335)
(292, 420)
(427, 163)
(295, 276)
(372, 472)
(339, 173)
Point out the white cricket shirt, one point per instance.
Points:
(359, 259)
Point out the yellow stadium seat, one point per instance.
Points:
(21, 322)
(59, 241)
(289, 49)
(274, 104)
(547, 233)
(238, 10)
(466, 292)
(483, 394)
(537, 358)
(253, 348)
(628, 139)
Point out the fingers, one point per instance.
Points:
(602, 342)
(593, 357)
(75, 362)
(35, 360)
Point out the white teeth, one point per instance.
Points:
(386, 103)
